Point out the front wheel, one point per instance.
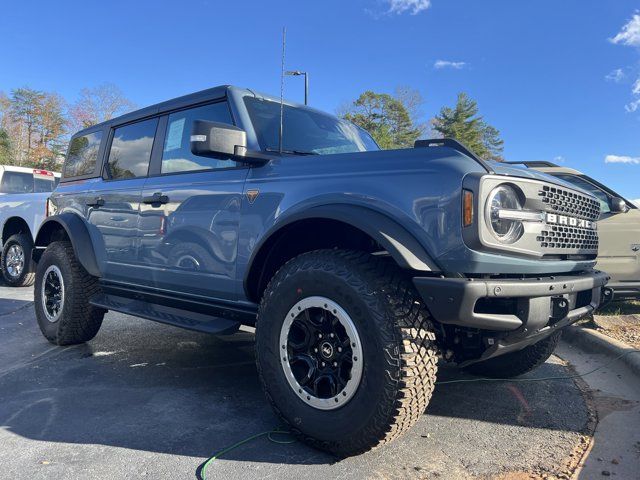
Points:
(17, 266)
(62, 297)
(517, 363)
(345, 350)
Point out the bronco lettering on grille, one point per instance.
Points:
(555, 219)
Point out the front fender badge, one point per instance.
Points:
(252, 195)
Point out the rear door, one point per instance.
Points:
(114, 203)
(190, 212)
(619, 234)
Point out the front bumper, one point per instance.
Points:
(625, 290)
(514, 312)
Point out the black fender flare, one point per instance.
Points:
(77, 231)
(403, 247)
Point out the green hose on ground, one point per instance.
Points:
(201, 473)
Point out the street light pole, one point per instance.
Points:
(306, 83)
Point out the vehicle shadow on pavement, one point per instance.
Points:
(144, 386)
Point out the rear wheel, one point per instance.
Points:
(17, 266)
(345, 351)
(517, 363)
(62, 292)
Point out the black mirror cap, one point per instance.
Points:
(214, 139)
(619, 205)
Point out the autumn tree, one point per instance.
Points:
(463, 123)
(35, 124)
(387, 118)
(99, 104)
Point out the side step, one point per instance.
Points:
(164, 314)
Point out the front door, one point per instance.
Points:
(619, 253)
(190, 213)
(114, 204)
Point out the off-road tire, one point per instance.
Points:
(78, 321)
(27, 276)
(398, 344)
(517, 363)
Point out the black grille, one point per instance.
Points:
(573, 238)
(569, 203)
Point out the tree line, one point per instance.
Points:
(394, 122)
(35, 126)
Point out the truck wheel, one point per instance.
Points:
(62, 292)
(345, 351)
(17, 266)
(517, 363)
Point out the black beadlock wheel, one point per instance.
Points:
(62, 292)
(345, 350)
(17, 265)
(517, 363)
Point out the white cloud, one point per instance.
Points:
(630, 33)
(616, 75)
(449, 64)
(558, 159)
(408, 6)
(622, 159)
(633, 106)
(629, 36)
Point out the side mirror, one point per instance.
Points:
(618, 205)
(213, 139)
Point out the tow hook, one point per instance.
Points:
(559, 308)
(606, 297)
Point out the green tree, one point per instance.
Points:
(386, 118)
(465, 125)
(5, 147)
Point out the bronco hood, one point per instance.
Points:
(500, 168)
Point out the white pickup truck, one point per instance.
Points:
(23, 202)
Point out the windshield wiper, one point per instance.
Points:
(292, 152)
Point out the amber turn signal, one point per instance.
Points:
(467, 208)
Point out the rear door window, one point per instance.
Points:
(17, 182)
(130, 150)
(83, 155)
(43, 184)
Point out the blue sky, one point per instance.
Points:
(556, 77)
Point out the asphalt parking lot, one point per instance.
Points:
(149, 400)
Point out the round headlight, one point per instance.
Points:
(504, 197)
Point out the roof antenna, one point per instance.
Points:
(284, 43)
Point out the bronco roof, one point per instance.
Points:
(168, 105)
(203, 96)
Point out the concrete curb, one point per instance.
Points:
(595, 342)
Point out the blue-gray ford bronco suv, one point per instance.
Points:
(359, 268)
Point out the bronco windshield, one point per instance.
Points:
(305, 131)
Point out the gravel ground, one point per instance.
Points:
(620, 320)
(151, 401)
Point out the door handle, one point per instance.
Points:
(95, 202)
(156, 198)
